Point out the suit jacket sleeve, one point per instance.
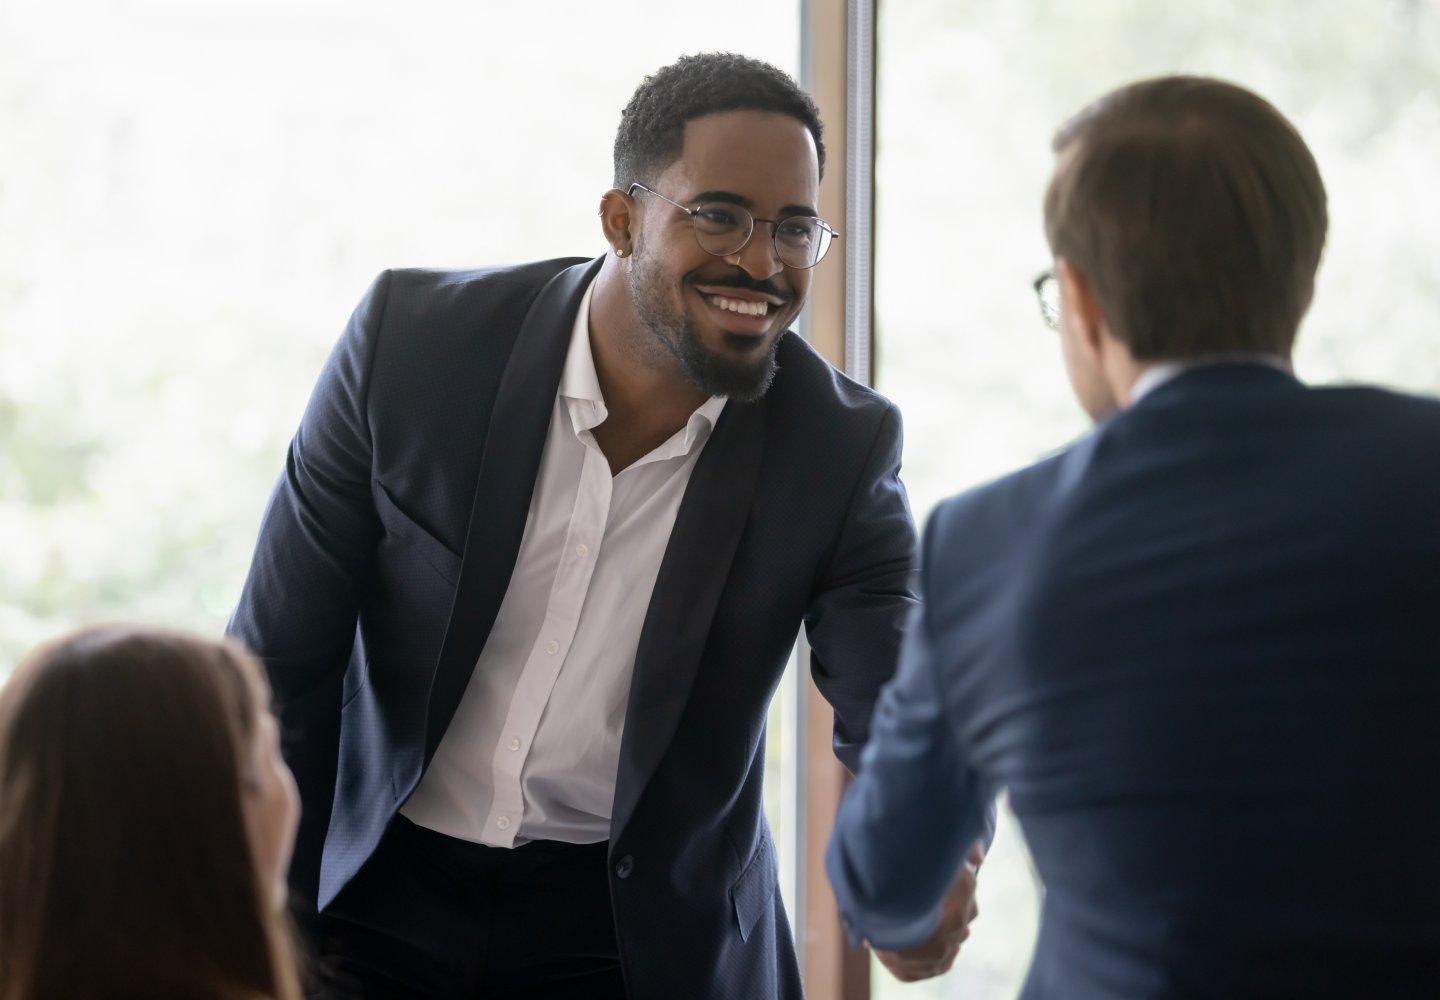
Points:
(857, 614)
(913, 812)
(299, 605)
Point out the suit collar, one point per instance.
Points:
(692, 578)
(1222, 376)
(579, 382)
(693, 571)
(510, 463)
(1162, 372)
(1221, 373)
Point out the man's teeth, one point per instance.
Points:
(740, 306)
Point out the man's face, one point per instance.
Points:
(721, 317)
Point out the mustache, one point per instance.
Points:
(743, 281)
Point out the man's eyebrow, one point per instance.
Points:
(726, 196)
(790, 210)
(731, 198)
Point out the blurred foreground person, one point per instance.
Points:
(537, 562)
(1201, 646)
(146, 822)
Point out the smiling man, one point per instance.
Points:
(542, 546)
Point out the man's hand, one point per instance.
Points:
(934, 957)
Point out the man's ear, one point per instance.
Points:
(1078, 300)
(616, 219)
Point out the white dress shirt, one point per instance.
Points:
(534, 746)
(1157, 374)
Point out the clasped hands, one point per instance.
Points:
(935, 956)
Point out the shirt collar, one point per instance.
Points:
(578, 382)
(580, 386)
(1161, 372)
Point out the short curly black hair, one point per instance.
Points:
(652, 126)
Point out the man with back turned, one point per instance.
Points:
(1200, 647)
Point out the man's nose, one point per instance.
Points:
(758, 258)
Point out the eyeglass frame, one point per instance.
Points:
(773, 223)
(1052, 320)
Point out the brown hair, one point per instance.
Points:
(125, 866)
(1197, 214)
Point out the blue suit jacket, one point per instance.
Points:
(1201, 648)
(389, 543)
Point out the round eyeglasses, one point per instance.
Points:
(1047, 290)
(724, 229)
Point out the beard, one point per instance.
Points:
(671, 326)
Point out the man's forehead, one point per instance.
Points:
(762, 157)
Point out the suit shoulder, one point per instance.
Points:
(806, 382)
(998, 508)
(1367, 424)
(1405, 406)
(977, 544)
(449, 328)
(434, 294)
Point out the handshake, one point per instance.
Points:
(490, 718)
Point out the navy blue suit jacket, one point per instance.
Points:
(390, 539)
(1201, 648)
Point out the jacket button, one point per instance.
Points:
(624, 866)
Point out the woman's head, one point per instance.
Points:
(146, 821)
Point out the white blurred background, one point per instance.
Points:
(194, 193)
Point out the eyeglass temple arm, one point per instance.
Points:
(631, 192)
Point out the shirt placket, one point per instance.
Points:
(583, 537)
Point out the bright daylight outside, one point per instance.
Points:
(194, 195)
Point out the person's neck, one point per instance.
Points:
(635, 377)
(1136, 379)
(647, 399)
(1119, 369)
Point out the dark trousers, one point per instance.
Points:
(434, 917)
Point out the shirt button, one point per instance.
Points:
(514, 744)
(503, 822)
(624, 866)
(582, 551)
(552, 647)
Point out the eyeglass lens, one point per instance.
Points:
(723, 229)
(1048, 289)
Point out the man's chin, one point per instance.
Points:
(742, 349)
(742, 380)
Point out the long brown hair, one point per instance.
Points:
(125, 866)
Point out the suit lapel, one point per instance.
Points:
(687, 591)
(514, 445)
